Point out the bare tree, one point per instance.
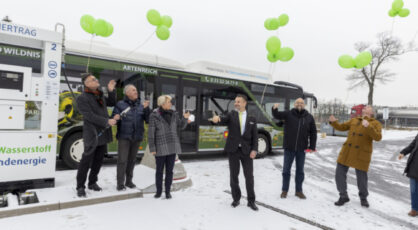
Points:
(387, 49)
(334, 107)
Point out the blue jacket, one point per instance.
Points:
(131, 125)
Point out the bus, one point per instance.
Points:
(202, 88)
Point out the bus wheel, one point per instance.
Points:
(73, 150)
(263, 145)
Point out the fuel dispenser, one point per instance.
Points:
(30, 67)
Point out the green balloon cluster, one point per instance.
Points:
(97, 27)
(362, 60)
(163, 23)
(397, 9)
(276, 52)
(275, 23)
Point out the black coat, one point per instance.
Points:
(411, 168)
(299, 129)
(95, 120)
(131, 125)
(248, 141)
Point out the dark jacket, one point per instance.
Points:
(95, 120)
(163, 138)
(249, 139)
(131, 124)
(411, 168)
(299, 129)
(358, 148)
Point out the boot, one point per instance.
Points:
(283, 195)
(300, 195)
(341, 201)
(81, 192)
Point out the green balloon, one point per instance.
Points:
(397, 5)
(154, 17)
(363, 59)
(100, 27)
(346, 61)
(267, 24)
(272, 57)
(86, 22)
(404, 13)
(285, 54)
(163, 32)
(273, 44)
(283, 19)
(271, 24)
(109, 30)
(392, 13)
(167, 21)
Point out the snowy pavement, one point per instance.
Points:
(206, 206)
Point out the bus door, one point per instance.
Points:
(189, 137)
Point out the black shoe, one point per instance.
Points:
(121, 187)
(341, 201)
(252, 206)
(95, 187)
(130, 185)
(157, 195)
(364, 203)
(81, 192)
(168, 195)
(235, 203)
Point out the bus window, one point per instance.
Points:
(216, 102)
(309, 104)
(267, 103)
(189, 99)
(292, 103)
(171, 90)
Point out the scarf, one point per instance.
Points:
(166, 114)
(97, 94)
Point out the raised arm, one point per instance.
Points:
(340, 127)
(374, 130)
(181, 121)
(279, 115)
(111, 98)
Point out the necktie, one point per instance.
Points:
(240, 121)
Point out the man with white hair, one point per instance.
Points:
(130, 134)
(356, 152)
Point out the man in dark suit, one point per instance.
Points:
(92, 104)
(241, 146)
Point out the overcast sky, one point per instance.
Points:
(233, 33)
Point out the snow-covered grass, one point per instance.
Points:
(205, 205)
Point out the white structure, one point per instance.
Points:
(30, 64)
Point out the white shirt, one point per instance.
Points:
(244, 119)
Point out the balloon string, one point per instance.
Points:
(142, 44)
(88, 59)
(415, 36)
(393, 25)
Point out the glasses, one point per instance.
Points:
(93, 79)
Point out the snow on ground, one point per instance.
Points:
(396, 135)
(206, 206)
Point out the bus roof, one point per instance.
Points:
(103, 50)
(215, 69)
